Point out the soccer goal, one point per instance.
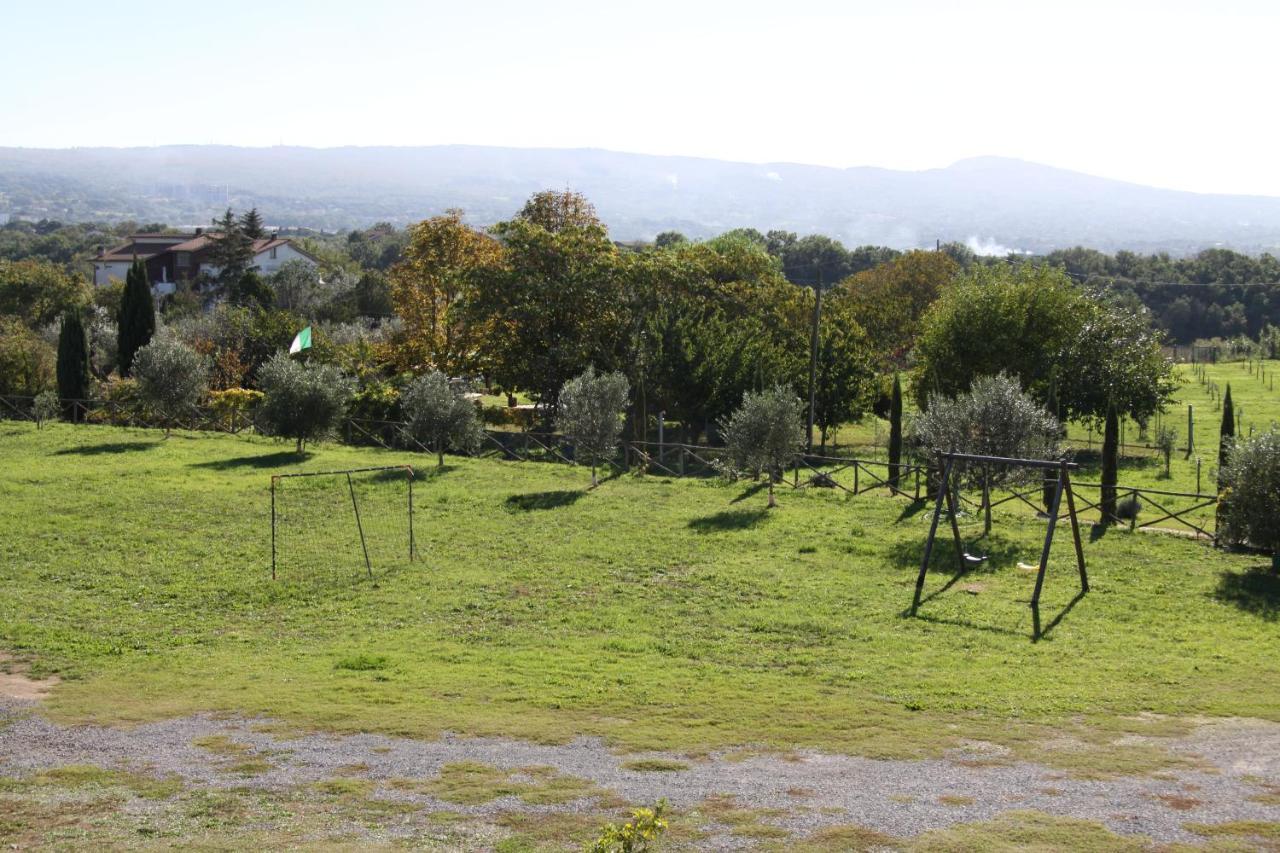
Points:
(336, 524)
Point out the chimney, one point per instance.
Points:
(199, 231)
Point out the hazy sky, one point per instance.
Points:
(1175, 94)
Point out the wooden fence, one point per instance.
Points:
(1192, 513)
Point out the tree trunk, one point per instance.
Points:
(439, 452)
(594, 481)
(299, 447)
(773, 502)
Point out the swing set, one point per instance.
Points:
(950, 463)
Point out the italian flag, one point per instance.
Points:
(301, 341)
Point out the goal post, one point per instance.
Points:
(341, 523)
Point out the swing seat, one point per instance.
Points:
(974, 559)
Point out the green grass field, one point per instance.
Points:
(668, 614)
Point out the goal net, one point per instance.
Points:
(341, 524)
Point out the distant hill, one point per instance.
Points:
(992, 202)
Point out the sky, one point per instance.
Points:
(1175, 94)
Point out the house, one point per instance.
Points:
(174, 258)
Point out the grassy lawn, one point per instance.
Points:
(668, 614)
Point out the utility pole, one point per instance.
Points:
(813, 355)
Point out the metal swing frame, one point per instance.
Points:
(946, 492)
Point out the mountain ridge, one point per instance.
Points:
(1008, 202)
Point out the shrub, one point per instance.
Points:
(302, 402)
(440, 416)
(764, 434)
(233, 406)
(995, 417)
(1250, 501)
(172, 378)
(26, 360)
(46, 408)
(1166, 441)
(590, 414)
(639, 834)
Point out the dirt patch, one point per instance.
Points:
(15, 683)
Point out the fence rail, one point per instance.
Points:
(850, 475)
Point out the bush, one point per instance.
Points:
(47, 406)
(233, 406)
(302, 402)
(26, 360)
(764, 434)
(440, 416)
(1250, 501)
(590, 414)
(994, 418)
(172, 378)
(639, 834)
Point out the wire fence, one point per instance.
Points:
(1189, 513)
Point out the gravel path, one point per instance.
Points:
(900, 798)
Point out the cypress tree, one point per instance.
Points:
(73, 360)
(137, 321)
(1228, 431)
(1110, 465)
(895, 431)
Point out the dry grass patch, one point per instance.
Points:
(848, 838)
(1027, 830)
(1264, 831)
(1178, 802)
(955, 800)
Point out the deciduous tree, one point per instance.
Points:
(441, 416)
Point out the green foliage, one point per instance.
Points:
(1227, 433)
(553, 306)
(1166, 441)
(172, 378)
(1110, 465)
(1250, 502)
(251, 224)
(440, 416)
(764, 434)
(995, 417)
(73, 358)
(137, 321)
(250, 290)
(895, 431)
(845, 377)
(37, 291)
(230, 250)
(590, 415)
(637, 835)
(46, 407)
(1036, 324)
(890, 299)
(301, 402)
(26, 360)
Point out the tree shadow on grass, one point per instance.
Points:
(543, 500)
(264, 460)
(914, 508)
(733, 519)
(998, 551)
(753, 489)
(107, 448)
(1255, 590)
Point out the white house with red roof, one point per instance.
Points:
(174, 258)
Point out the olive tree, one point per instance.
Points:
(1250, 499)
(441, 416)
(590, 415)
(995, 417)
(172, 378)
(46, 407)
(764, 434)
(302, 402)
